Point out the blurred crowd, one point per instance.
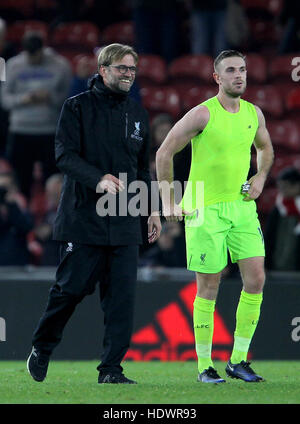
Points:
(40, 76)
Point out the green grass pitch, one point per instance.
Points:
(74, 382)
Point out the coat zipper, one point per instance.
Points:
(126, 125)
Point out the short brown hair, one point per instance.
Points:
(114, 52)
(227, 53)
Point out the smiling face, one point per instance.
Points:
(114, 79)
(231, 76)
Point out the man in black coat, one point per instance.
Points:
(101, 146)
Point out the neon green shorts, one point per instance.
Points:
(227, 225)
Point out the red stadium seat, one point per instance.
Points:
(191, 70)
(256, 68)
(76, 36)
(17, 30)
(120, 32)
(285, 135)
(281, 68)
(194, 96)
(271, 6)
(284, 161)
(152, 70)
(292, 100)
(161, 100)
(26, 7)
(267, 98)
(284, 88)
(264, 31)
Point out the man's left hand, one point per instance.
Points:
(154, 227)
(257, 183)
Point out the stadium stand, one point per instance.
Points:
(271, 7)
(256, 68)
(285, 135)
(187, 80)
(120, 32)
(265, 30)
(161, 100)
(284, 161)
(284, 88)
(20, 8)
(293, 100)
(152, 70)
(190, 70)
(90, 60)
(267, 98)
(281, 68)
(266, 202)
(17, 30)
(76, 36)
(191, 97)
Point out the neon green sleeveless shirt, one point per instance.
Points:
(221, 153)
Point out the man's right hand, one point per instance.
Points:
(111, 184)
(27, 99)
(39, 96)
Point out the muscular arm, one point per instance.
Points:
(265, 157)
(179, 136)
(263, 145)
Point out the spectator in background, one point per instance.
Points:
(15, 223)
(290, 20)
(5, 166)
(208, 26)
(84, 70)
(160, 126)
(38, 81)
(282, 235)
(156, 26)
(6, 52)
(169, 250)
(41, 236)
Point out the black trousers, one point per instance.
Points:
(80, 269)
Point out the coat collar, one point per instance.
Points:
(96, 84)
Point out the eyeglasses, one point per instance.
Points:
(123, 69)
